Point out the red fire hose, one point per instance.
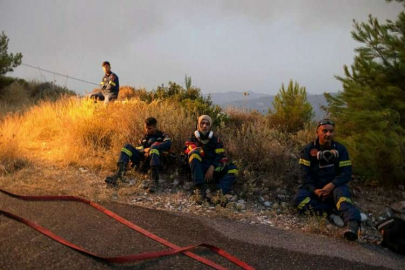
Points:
(174, 249)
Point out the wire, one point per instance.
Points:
(68, 77)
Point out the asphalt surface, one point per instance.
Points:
(260, 246)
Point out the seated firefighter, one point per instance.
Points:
(109, 85)
(207, 160)
(150, 147)
(325, 170)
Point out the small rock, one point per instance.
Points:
(234, 198)
(363, 217)
(278, 211)
(284, 205)
(114, 197)
(281, 197)
(267, 204)
(240, 206)
(261, 199)
(188, 185)
(399, 207)
(369, 223)
(176, 183)
(241, 201)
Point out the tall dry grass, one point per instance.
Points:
(79, 132)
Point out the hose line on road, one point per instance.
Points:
(174, 249)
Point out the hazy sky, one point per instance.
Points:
(229, 45)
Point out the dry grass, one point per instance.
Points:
(78, 132)
(81, 132)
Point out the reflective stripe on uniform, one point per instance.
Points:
(140, 148)
(154, 151)
(126, 151)
(219, 150)
(234, 171)
(343, 199)
(218, 169)
(345, 163)
(167, 139)
(112, 83)
(194, 156)
(305, 162)
(304, 202)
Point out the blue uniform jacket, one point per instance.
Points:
(213, 150)
(315, 173)
(110, 84)
(163, 140)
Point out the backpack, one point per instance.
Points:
(393, 232)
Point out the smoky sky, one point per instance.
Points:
(224, 46)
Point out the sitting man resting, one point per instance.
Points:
(207, 161)
(149, 149)
(325, 171)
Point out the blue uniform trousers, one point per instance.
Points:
(224, 177)
(340, 200)
(130, 153)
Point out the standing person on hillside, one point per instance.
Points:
(325, 171)
(149, 150)
(207, 161)
(110, 85)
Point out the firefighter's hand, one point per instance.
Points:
(318, 192)
(209, 174)
(327, 190)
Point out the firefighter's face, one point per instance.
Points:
(150, 130)
(325, 134)
(106, 69)
(205, 126)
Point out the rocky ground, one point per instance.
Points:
(269, 206)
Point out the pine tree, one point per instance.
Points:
(370, 111)
(291, 110)
(7, 61)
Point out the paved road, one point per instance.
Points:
(261, 246)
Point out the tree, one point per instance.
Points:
(291, 110)
(188, 82)
(7, 61)
(370, 111)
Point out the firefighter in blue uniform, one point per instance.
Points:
(150, 148)
(207, 160)
(325, 170)
(109, 85)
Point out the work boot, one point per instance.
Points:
(352, 230)
(154, 182)
(199, 194)
(118, 176)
